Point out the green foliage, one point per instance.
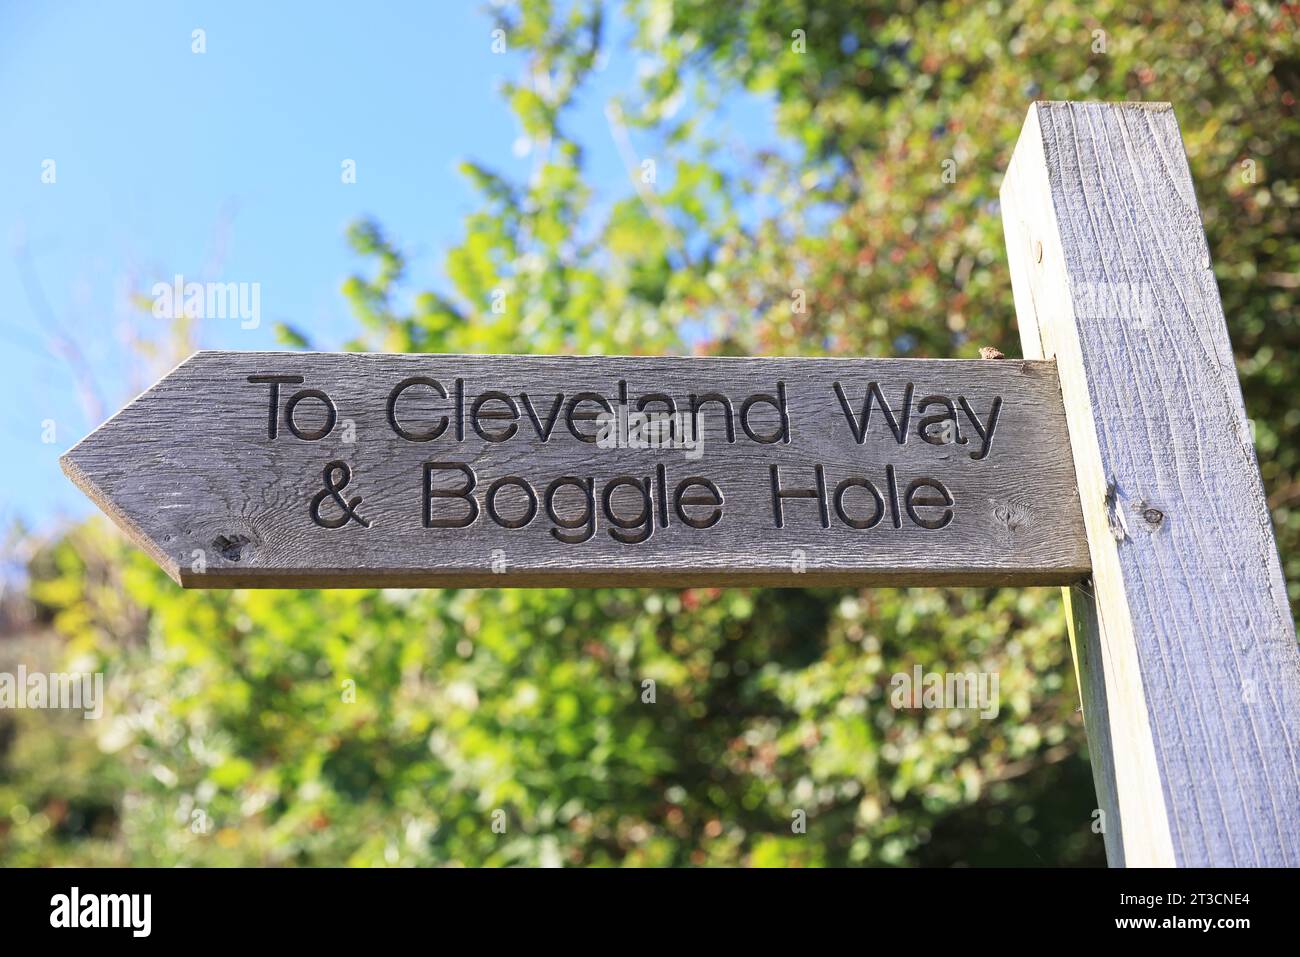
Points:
(391, 727)
(387, 727)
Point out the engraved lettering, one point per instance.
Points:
(775, 401)
(587, 521)
(543, 431)
(985, 431)
(712, 500)
(511, 481)
(333, 488)
(842, 512)
(396, 394)
(275, 380)
(698, 402)
(819, 493)
(466, 494)
(331, 414)
(572, 415)
(629, 531)
(913, 501)
(944, 434)
(477, 413)
(859, 424)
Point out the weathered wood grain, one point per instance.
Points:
(1187, 649)
(191, 471)
(1099, 716)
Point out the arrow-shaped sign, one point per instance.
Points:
(270, 469)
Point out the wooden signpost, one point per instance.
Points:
(1115, 459)
(301, 469)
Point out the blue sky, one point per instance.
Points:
(226, 166)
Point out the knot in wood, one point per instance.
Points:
(230, 548)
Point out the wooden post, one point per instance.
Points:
(1184, 641)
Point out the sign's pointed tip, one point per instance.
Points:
(68, 463)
